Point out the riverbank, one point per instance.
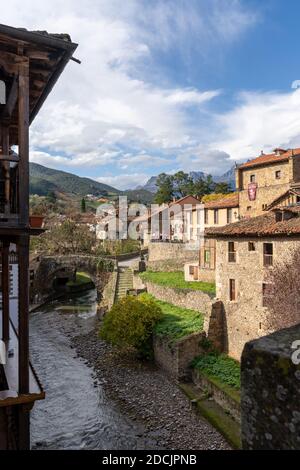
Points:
(148, 396)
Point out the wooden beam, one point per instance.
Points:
(23, 256)
(5, 291)
(36, 54)
(24, 144)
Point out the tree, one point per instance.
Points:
(165, 190)
(67, 238)
(222, 187)
(183, 184)
(51, 196)
(130, 324)
(282, 293)
(83, 205)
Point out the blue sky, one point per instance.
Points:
(166, 85)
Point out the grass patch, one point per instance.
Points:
(176, 322)
(221, 367)
(176, 280)
(81, 279)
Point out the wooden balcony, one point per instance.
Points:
(9, 373)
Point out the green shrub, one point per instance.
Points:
(130, 324)
(224, 368)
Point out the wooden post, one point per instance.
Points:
(23, 252)
(5, 291)
(24, 143)
(24, 427)
(6, 168)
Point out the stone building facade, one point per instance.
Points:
(245, 252)
(221, 211)
(265, 178)
(217, 213)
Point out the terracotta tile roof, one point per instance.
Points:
(266, 159)
(294, 191)
(263, 225)
(226, 202)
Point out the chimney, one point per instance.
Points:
(279, 151)
(262, 152)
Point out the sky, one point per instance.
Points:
(166, 85)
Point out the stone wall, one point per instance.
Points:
(246, 318)
(176, 358)
(213, 311)
(270, 394)
(269, 188)
(169, 256)
(185, 298)
(109, 291)
(225, 396)
(204, 275)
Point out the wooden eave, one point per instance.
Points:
(46, 56)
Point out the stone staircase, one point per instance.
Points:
(125, 282)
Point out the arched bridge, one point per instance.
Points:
(47, 270)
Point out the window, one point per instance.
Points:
(231, 252)
(249, 208)
(229, 216)
(251, 246)
(266, 294)
(207, 256)
(278, 174)
(206, 216)
(191, 270)
(252, 178)
(232, 290)
(264, 207)
(216, 216)
(268, 254)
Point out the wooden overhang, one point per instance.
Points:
(46, 54)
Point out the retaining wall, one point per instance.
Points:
(175, 358)
(226, 397)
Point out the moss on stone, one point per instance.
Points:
(213, 412)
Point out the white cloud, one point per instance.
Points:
(119, 101)
(124, 181)
(260, 121)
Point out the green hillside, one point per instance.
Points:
(43, 180)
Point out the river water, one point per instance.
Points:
(77, 413)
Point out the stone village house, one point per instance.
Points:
(216, 213)
(245, 252)
(268, 181)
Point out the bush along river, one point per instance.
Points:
(98, 399)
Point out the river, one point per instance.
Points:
(77, 413)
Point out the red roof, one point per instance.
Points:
(267, 159)
(229, 201)
(263, 225)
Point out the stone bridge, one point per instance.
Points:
(49, 272)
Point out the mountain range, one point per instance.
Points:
(44, 180)
(228, 177)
